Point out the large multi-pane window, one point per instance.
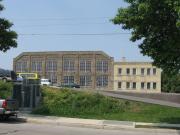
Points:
(102, 81)
(68, 79)
(51, 65)
(85, 80)
(102, 66)
(85, 65)
(36, 66)
(52, 76)
(68, 65)
(21, 66)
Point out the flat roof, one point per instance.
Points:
(132, 62)
(62, 52)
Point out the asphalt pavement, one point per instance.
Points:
(9, 128)
(140, 99)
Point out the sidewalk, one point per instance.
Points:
(92, 123)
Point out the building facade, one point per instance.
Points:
(137, 77)
(89, 69)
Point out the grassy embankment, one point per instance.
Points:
(69, 103)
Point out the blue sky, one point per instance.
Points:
(54, 17)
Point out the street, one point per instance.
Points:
(13, 128)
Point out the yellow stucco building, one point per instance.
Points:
(137, 77)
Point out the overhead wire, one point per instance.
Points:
(84, 21)
(72, 34)
(60, 18)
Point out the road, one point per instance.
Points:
(140, 99)
(9, 128)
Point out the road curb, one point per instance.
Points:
(156, 125)
(64, 123)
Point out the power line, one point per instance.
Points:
(61, 19)
(54, 25)
(73, 34)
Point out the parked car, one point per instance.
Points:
(70, 85)
(45, 82)
(7, 75)
(8, 107)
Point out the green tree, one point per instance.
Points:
(156, 24)
(170, 82)
(7, 36)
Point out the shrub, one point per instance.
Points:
(5, 90)
(67, 102)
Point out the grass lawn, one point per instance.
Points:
(67, 103)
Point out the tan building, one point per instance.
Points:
(137, 77)
(90, 69)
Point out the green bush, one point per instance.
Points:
(5, 90)
(67, 102)
(171, 83)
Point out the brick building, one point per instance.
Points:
(90, 69)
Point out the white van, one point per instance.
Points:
(45, 82)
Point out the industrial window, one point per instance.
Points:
(36, 66)
(134, 71)
(134, 85)
(128, 71)
(119, 85)
(154, 71)
(120, 71)
(127, 85)
(52, 77)
(68, 65)
(22, 66)
(142, 71)
(51, 65)
(102, 81)
(154, 85)
(102, 66)
(148, 85)
(85, 80)
(85, 65)
(148, 71)
(68, 79)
